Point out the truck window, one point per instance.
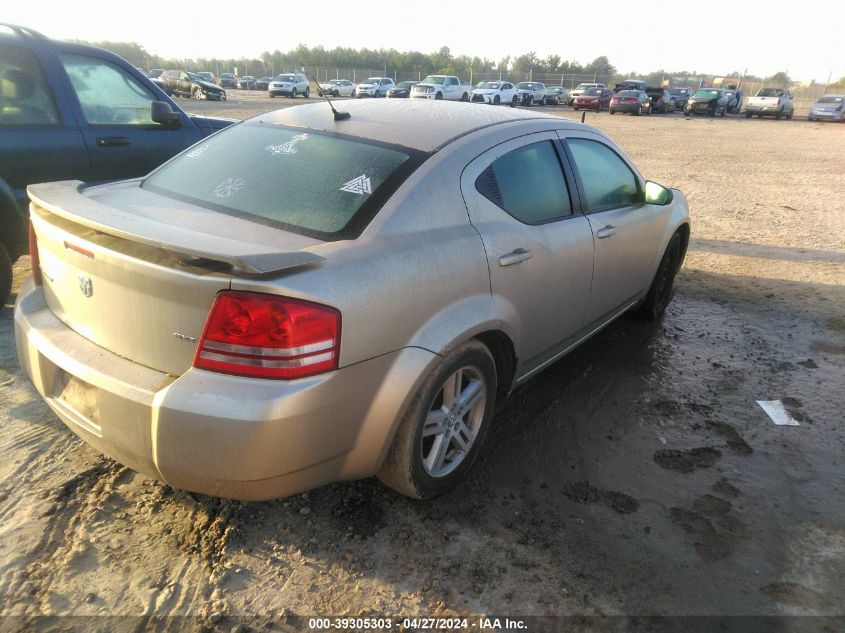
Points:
(25, 97)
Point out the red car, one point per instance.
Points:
(597, 99)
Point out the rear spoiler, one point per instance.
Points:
(65, 199)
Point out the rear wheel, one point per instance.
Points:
(747, 115)
(440, 435)
(335, 94)
(660, 293)
(611, 110)
(543, 101)
(638, 111)
(5, 275)
(308, 93)
(789, 116)
(514, 101)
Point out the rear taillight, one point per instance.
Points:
(614, 100)
(267, 336)
(35, 262)
(632, 100)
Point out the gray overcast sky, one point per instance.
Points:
(805, 38)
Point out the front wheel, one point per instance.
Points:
(514, 101)
(438, 96)
(542, 101)
(5, 275)
(496, 100)
(293, 94)
(747, 115)
(440, 435)
(660, 292)
(612, 111)
(465, 97)
(308, 93)
(335, 94)
(198, 93)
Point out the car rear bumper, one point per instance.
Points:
(763, 110)
(428, 95)
(212, 433)
(277, 92)
(589, 105)
(624, 107)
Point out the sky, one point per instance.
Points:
(718, 37)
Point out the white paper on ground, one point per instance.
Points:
(777, 412)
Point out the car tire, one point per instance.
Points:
(789, 116)
(542, 101)
(514, 101)
(638, 111)
(779, 115)
(5, 275)
(335, 94)
(747, 115)
(496, 100)
(611, 111)
(307, 93)
(197, 94)
(438, 96)
(660, 292)
(415, 465)
(272, 96)
(465, 97)
(293, 94)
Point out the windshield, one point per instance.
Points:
(372, 80)
(334, 82)
(301, 181)
(706, 94)
(525, 85)
(195, 77)
(627, 93)
(555, 89)
(584, 86)
(830, 100)
(432, 79)
(226, 75)
(770, 92)
(288, 78)
(489, 85)
(592, 92)
(404, 85)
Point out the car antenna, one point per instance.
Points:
(338, 116)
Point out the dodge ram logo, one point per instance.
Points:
(85, 285)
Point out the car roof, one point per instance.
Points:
(423, 125)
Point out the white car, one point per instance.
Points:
(289, 85)
(338, 88)
(448, 87)
(494, 92)
(374, 87)
(531, 92)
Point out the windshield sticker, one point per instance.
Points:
(359, 185)
(229, 187)
(196, 153)
(286, 148)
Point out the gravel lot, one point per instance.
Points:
(635, 477)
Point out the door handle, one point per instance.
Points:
(112, 141)
(516, 256)
(606, 231)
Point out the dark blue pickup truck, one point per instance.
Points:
(75, 112)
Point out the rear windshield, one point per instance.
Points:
(315, 184)
(770, 92)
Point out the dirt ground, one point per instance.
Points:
(637, 476)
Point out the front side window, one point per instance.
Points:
(302, 181)
(608, 182)
(528, 184)
(108, 94)
(25, 97)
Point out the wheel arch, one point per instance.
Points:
(12, 215)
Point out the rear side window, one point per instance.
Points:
(25, 97)
(321, 185)
(608, 182)
(528, 184)
(108, 94)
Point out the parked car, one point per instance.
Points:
(530, 92)
(374, 87)
(402, 90)
(828, 108)
(267, 362)
(247, 82)
(557, 95)
(712, 101)
(155, 72)
(338, 88)
(180, 83)
(228, 80)
(596, 99)
(680, 96)
(290, 85)
(774, 102)
(263, 83)
(630, 84)
(448, 87)
(636, 102)
(661, 100)
(581, 89)
(494, 93)
(69, 111)
(208, 76)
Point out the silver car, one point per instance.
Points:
(299, 300)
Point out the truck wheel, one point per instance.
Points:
(335, 94)
(789, 116)
(779, 115)
(197, 93)
(5, 275)
(514, 101)
(543, 102)
(465, 97)
(438, 96)
(440, 435)
(531, 101)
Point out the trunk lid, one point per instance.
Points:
(136, 272)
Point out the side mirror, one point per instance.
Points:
(161, 112)
(657, 194)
